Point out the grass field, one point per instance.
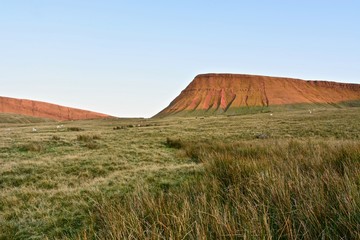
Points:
(292, 175)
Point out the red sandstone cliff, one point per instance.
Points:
(220, 92)
(45, 110)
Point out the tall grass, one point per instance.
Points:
(214, 178)
(256, 190)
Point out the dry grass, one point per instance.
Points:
(287, 189)
(211, 178)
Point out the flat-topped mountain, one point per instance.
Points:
(229, 93)
(45, 110)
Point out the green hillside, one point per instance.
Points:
(16, 118)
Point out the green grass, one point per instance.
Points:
(183, 177)
(235, 111)
(15, 118)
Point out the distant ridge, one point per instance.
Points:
(45, 110)
(226, 93)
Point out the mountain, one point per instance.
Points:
(45, 110)
(210, 94)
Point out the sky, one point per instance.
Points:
(132, 58)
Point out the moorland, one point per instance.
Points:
(283, 175)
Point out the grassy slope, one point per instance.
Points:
(261, 109)
(75, 181)
(15, 118)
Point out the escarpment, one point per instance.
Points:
(222, 93)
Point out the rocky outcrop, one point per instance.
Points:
(45, 110)
(219, 93)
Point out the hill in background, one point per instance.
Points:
(212, 94)
(45, 110)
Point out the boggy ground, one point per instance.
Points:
(292, 175)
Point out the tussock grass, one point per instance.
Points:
(88, 138)
(174, 143)
(55, 138)
(212, 179)
(92, 145)
(90, 141)
(32, 147)
(75, 129)
(292, 190)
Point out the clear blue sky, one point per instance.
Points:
(131, 58)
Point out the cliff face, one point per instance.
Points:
(219, 93)
(45, 110)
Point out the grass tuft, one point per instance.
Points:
(174, 143)
(74, 129)
(32, 147)
(88, 138)
(92, 145)
(55, 138)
